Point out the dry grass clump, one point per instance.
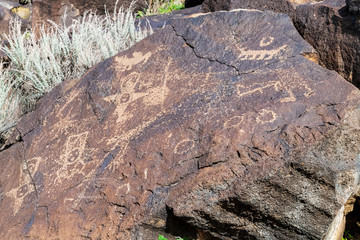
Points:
(38, 64)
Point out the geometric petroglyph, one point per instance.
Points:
(260, 54)
(72, 160)
(266, 116)
(19, 193)
(74, 147)
(266, 41)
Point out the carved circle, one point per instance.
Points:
(184, 146)
(266, 41)
(125, 98)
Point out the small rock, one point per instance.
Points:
(22, 12)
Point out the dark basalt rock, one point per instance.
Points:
(282, 6)
(353, 6)
(214, 127)
(193, 3)
(330, 26)
(335, 34)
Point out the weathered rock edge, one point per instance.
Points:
(330, 26)
(213, 124)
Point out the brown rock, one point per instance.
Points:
(44, 10)
(282, 6)
(335, 34)
(211, 128)
(326, 25)
(5, 16)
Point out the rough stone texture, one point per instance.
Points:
(335, 34)
(283, 6)
(53, 10)
(326, 25)
(354, 6)
(215, 127)
(5, 16)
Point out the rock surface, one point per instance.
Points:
(5, 17)
(211, 128)
(330, 26)
(9, 10)
(335, 34)
(283, 6)
(354, 6)
(44, 10)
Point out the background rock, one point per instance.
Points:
(354, 6)
(7, 13)
(212, 127)
(53, 10)
(335, 34)
(283, 6)
(193, 3)
(5, 16)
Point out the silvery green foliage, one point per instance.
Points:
(59, 53)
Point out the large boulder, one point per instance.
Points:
(335, 34)
(214, 127)
(283, 6)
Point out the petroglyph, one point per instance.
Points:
(127, 96)
(18, 194)
(71, 161)
(234, 121)
(33, 164)
(287, 87)
(145, 173)
(184, 146)
(266, 41)
(261, 54)
(150, 96)
(266, 116)
(119, 190)
(126, 63)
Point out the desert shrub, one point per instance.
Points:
(37, 64)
